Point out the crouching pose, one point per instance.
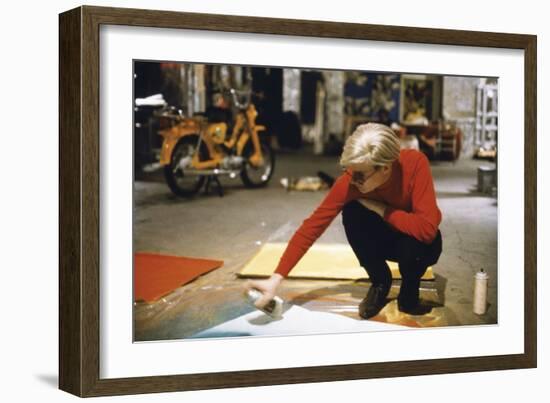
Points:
(389, 212)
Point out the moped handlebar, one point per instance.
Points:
(241, 98)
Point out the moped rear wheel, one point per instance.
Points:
(258, 176)
(179, 183)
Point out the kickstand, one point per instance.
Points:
(216, 180)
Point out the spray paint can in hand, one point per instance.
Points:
(480, 292)
(273, 308)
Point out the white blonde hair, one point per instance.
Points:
(372, 143)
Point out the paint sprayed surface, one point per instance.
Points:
(208, 303)
(295, 320)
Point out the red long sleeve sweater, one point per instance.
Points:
(409, 194)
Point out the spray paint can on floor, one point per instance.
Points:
(273, 308)
(481, 279)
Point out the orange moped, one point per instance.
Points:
(200, 148)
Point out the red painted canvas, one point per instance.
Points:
(157, 275)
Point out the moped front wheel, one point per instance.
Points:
(179, 183)
(258, 176)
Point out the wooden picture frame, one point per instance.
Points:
(79, 283)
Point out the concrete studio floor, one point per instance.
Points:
(232, 228)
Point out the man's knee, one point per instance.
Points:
(350, 209)
(354, 212)
(410, 250)
(415, 257)
(435, 249)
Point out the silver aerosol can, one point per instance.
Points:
(480, 292)
(273, 308)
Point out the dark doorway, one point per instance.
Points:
(268, 82)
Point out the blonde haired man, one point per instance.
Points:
(389, 212)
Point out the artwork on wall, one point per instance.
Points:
(420, 99)
(372, 95)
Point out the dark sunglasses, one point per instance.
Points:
(359, 177)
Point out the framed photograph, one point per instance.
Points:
(205, 161)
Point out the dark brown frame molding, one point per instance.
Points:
(79, 200)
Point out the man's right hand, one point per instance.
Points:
(267, 287)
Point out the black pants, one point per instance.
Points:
(374, 242)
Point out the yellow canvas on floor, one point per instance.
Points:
(322, 261)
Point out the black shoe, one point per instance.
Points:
(416, 309)
(374, 301)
